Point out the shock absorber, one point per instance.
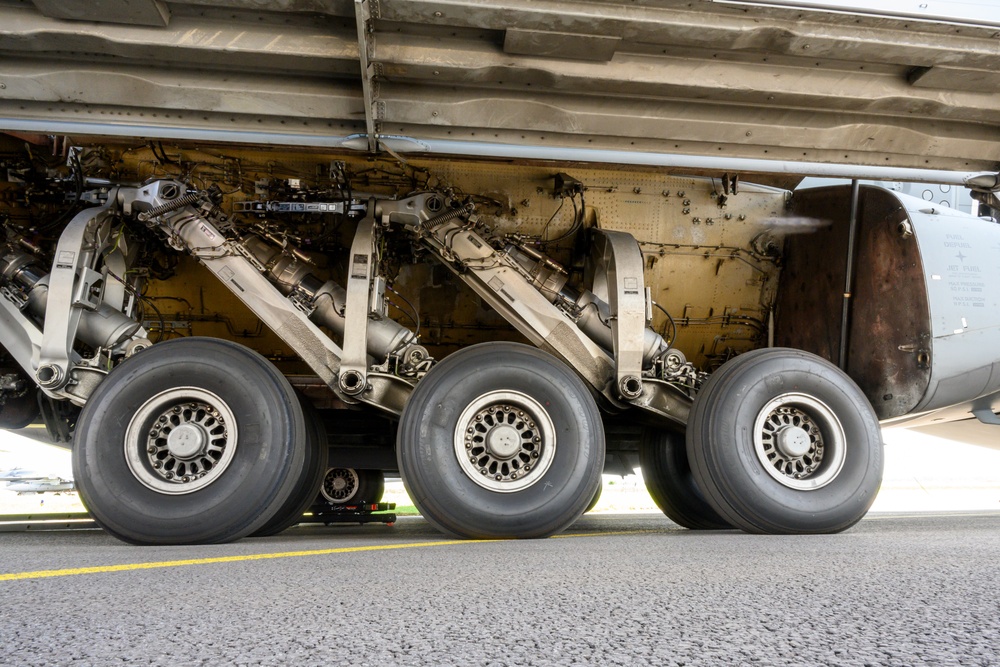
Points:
(293, 275)
(102, 327)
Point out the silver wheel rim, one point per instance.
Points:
(800, 441)
(340, 485)
(181, 440)
(505, 441)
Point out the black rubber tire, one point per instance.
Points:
(667, 474)
(442, 490)
(725, 464)
(245, 495)
(369, 488)
(19, 412)
(596, 499)
(310, 479)
(372, 486)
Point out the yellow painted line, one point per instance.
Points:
(130, 567)
(609, 534)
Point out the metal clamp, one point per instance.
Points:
(354, 363)
(70, 286)
(620, 257)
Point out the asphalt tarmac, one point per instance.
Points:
(614, 590)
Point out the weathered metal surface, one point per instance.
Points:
(686, 78)
(889, 342)
(137, 12)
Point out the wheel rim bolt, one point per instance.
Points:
(151, 449)
(472, 459)
(498, 477)
(527, 467)
(157, 464)
(536, 439)
(169, 475)
(506, 408)
(186, 479)
(483, 471)
(534, 455)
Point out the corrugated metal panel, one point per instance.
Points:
(658, 76)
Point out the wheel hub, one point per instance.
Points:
(793, 441)
(505, 441)
(799, 441)
(180, 440)
(340, 485)
(186, 441)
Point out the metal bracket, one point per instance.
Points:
(70, 285)
(986, 416)
(620, 257)
(193, 231)
(354, 363)
(366, 53)
(21, 338)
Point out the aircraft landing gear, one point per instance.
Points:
(782, 441)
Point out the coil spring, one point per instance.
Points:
(439, 220)
(170, 206)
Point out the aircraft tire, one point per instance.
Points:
(215, 413)
(781, 441)
(516, 413)
(311, 478)
(19, 412)
(670, 482)
(596, 499)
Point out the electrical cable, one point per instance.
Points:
(673, 325)
(415, 317)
